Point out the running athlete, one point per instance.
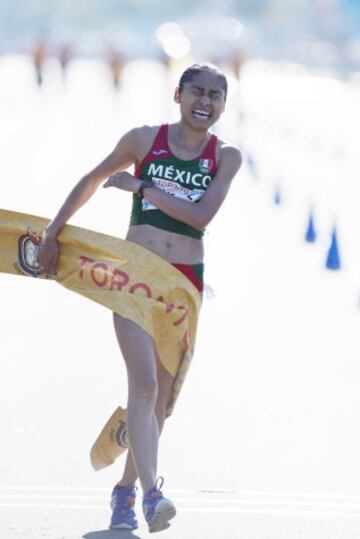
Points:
(182, 176)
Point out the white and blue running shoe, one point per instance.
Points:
(157, 509)
(122, 504)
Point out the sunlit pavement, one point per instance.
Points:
(74, 519)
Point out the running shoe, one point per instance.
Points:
(122, 504)
(157, 509)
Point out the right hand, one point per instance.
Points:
(48, 253)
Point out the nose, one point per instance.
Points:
(204, 99)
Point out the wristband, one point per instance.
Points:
(143, 185)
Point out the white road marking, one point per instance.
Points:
(239, 502)
(237, 494)
(191, 510)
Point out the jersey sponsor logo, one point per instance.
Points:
(205, 165)
(159, 152)
(159, 171)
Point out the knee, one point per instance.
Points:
(145, 388)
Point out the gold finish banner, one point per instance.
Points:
(118, 274)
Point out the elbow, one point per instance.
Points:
(200, 222)
(203, 216)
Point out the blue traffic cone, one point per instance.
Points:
(277, 196)
(333, 256)
(310, 234)
(252, 165)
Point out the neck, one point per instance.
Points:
(188, 138)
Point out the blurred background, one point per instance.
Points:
(294, 76)
(283, 255)
(319, 33)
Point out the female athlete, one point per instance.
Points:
(182, 175)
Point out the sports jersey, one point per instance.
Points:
(184, 179)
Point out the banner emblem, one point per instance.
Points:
(27, 253)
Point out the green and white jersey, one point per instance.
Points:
(186, 180)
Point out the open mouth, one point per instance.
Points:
(201, 114)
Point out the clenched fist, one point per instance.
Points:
(47, 256)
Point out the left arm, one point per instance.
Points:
(204, 211)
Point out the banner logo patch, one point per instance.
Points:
(27, 253)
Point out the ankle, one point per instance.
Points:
(154, 490)
(128, 484)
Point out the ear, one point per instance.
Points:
(177, 95)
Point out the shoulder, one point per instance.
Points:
(137, 141)
(145, 133)
(228, 152)
(143, 137)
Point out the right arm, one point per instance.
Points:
(124, 154)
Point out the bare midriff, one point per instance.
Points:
(175, 248)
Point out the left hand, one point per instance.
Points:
(47, 256)
(124, 181)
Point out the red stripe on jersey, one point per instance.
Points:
(160, 149)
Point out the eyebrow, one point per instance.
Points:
(196, 87)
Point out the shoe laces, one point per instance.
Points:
(155, 492)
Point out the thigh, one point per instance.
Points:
(137, 348)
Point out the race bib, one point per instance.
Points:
(174, 189)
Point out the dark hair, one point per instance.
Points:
(195, 69)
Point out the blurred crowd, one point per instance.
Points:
(115, 59)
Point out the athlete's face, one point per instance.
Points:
(202, 100)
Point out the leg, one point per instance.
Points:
(137, 348)
(165, 382)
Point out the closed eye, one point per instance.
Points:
(213, 94)
(198, 90)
